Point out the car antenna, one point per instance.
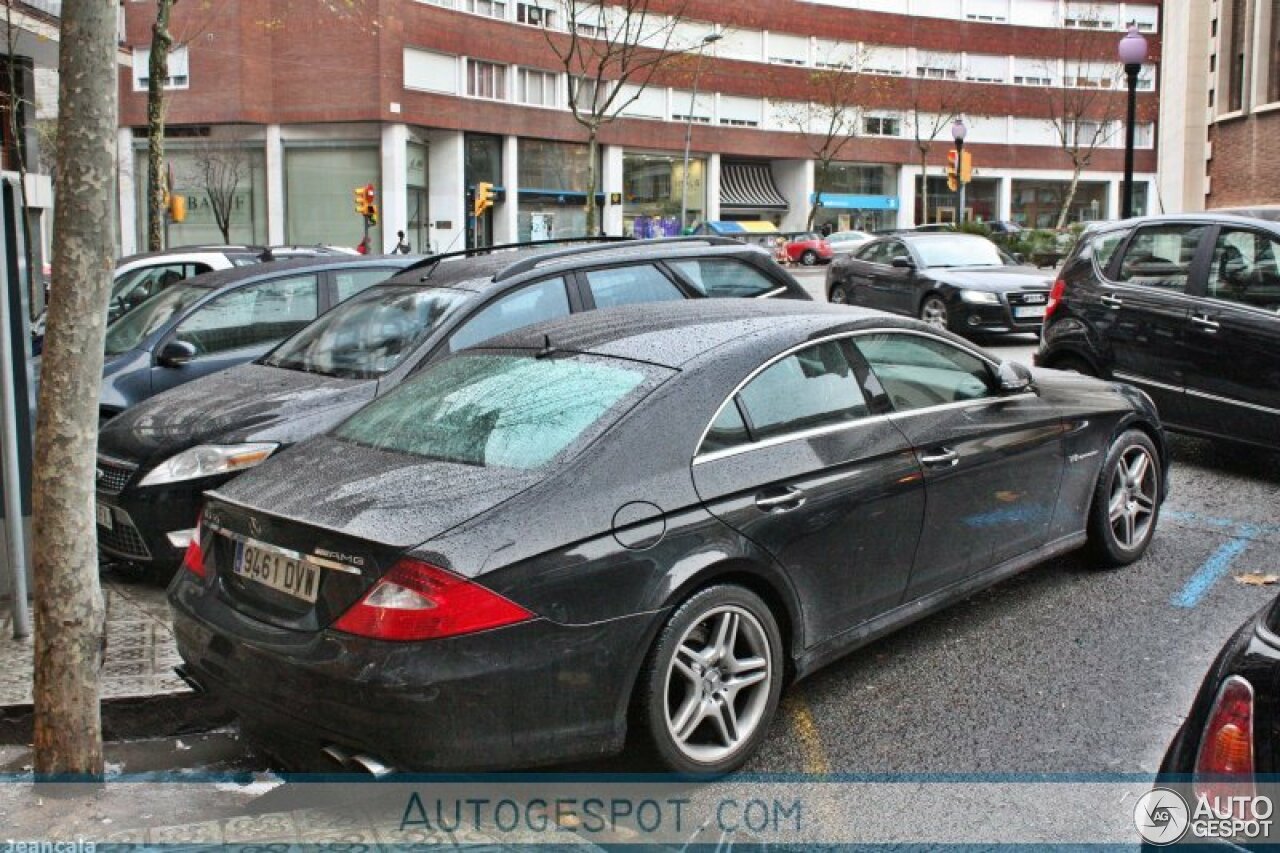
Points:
(547, 348)
(426, 275)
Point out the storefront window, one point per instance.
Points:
(850, 178)
(559, 166)
(233, 173)
(652, 190)
(418, 216)
(318, 185)
(484, 160)
(981, 200)
(853, 199)
(554, 177)
(1038, 204)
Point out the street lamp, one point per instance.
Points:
(710, 38)
(958, 133)
(1133, 52)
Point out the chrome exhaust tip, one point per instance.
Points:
(372, 766)
(190, 680)
(338, 755)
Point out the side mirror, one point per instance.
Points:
(903, 262)
(1014, 377)
(176, 354)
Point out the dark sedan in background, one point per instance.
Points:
(960, 282)
(157, 458)
(640, 521)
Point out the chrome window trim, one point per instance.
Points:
(768, 295)
(1130, 378)
(1241, 403)
(699, 457)
(278, 549)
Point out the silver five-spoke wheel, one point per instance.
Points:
(718, 684)
(1132, 506)
(934, 312)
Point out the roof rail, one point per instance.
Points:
(526, 264)
(433, 260)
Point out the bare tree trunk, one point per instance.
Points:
(17, 134)
(1071, 196)
(924, 184)
(593, 150)
(69, 618)
(157, 74)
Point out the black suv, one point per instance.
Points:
(1185, 307)
(157, 458)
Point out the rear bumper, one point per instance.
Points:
(528, 694)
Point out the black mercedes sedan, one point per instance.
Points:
(640, 521)
(960, 282)
(156, 459)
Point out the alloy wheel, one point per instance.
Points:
(839, 296)
(809, 258)
(718, 684)
(934, 312)
(1132, 505)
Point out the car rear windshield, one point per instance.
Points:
(959, 250)
(133, 328)
(500, 410)
(370, 334)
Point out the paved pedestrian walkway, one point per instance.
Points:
(140, 651)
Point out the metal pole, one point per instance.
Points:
(1126, 208)
(960, 179)
(688, 139)
(15, 533)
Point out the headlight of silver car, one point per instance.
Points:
(207, 460)
(980, 297)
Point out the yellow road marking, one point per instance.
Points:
(806, 730)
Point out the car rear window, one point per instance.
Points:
(500, 410)
(133, 328)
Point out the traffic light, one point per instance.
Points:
(952, 183)
(372, 214)
(966, 167)
(178, 208)
(358, 197)
(484, 198)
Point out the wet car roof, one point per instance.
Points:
(221, 278)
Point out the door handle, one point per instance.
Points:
(790, 498)
(945, 457)
(1111, 301)
(1207, 324)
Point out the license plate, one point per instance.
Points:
(278, 571)
(1029, 311)
(105, 519)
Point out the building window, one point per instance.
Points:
(535, 16)
(881, 126)
(488, 8)
(1028, 80)
(1237, 50)
(1273, 42)
(486, 80)
(178, 69)
(538, 88)
(935, 72)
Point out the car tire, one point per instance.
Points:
(711, 684)
(1126, 500)
(839, 295)
(933, 310)
(808, 257)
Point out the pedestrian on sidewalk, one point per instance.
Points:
(402, 245)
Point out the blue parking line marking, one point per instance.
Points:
(1215, 567)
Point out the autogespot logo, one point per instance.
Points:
(1161, 816)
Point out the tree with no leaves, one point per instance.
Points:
(157, 77)
(935, 104)
(221, 167)
(610, 54)
(69, 617)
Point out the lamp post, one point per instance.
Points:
(1133, 52)
(958, 133)
(710, 38)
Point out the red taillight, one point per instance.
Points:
(193, 559)
(1226, 745)
(417, 601)
(1055, 298)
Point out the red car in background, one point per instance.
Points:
(805, 248)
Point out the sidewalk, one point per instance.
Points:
(140, 652)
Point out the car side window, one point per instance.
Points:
(1103, 248)
(871, 254)
(917, 371)
(724, 277)
(537, 303)
(630, 285)
(814, 387)
(1245, 269)
(253, 315)
(894, 249)
(351, 282)
(1160, 256)
(727, 430)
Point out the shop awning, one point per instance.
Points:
(749, 186)
(729, 229)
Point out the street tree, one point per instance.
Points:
(157, 79)
(19, 115)
(936, 98)
(832, 119)
(1084, 102)
(611, 54)
(220, 168)
(69, 617)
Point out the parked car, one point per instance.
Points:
(1186, 308)
(139, 277)
(221, 319)
(1228, 742)
(157, 458)
(843, 242)
(661, 509)
(807, 249)
(961, 282)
